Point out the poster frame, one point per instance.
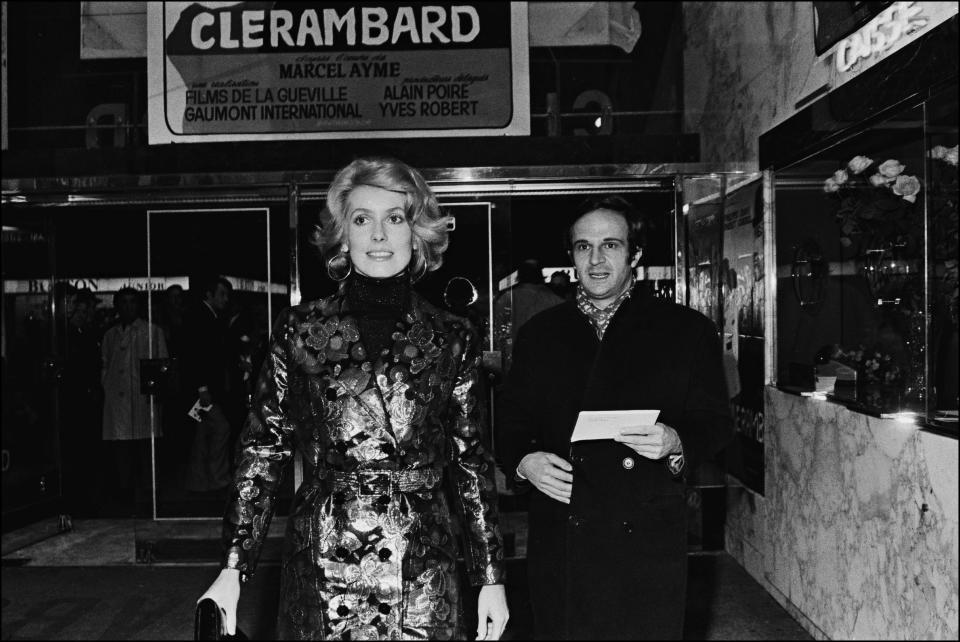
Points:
(159, 131)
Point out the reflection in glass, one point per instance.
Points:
(31, 371)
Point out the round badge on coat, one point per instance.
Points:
(628, 462)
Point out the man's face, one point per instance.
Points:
(175, 299)
(219, 298)
(601, 255)
(81, 315)
(128, 308)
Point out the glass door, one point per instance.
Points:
(33, 307)
(218, 278)
(721, 231)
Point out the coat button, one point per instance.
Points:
(627, 528)
(628, 463)
(574, 521)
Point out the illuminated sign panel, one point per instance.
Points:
(145, 284)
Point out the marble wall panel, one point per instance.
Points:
(746, 65)
(858, 531)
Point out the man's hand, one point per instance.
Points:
(549, 473)
(206, 399)
(653, 442)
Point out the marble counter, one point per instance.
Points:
(858, 532)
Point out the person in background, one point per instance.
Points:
(178, 428)
(377, 388)
(560, 284)
(207, 367)
(513, 308)
(172, 317)
(607, 543)
(82, 401)
(130, 417)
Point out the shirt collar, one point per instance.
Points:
(600, 317)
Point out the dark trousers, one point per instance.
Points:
(209, 466)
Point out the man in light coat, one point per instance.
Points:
(130, 417)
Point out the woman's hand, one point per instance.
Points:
(492, 606)
(225, 591)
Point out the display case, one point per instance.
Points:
(866, 252)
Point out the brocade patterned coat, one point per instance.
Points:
(377, 561)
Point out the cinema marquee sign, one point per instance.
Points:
(238, 71)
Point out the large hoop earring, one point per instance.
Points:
(339, 266)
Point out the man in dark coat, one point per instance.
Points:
(207, 371)
(607, 542)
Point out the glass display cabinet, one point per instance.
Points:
(866, 247)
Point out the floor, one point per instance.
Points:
(138, 579)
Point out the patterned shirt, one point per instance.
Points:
(600, 318)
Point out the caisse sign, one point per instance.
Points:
(241, 71)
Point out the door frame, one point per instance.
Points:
(222, 190)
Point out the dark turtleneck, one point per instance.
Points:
(378, 305)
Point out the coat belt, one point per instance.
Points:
(383, 482)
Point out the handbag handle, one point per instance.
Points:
(208, 623)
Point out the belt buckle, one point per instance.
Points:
(374, 483)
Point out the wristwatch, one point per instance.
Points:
(676, 462)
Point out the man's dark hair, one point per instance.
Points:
(209, 283)
(636, 222)
(530, 271)
(125, 291)
(86, 296)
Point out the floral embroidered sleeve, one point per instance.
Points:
(472, 472)
(267, 447)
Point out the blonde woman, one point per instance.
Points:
(378, 390)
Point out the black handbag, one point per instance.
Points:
(208, 623)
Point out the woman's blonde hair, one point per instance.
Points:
(420, 205)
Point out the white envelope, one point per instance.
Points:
(194, 412)
(607, 424)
